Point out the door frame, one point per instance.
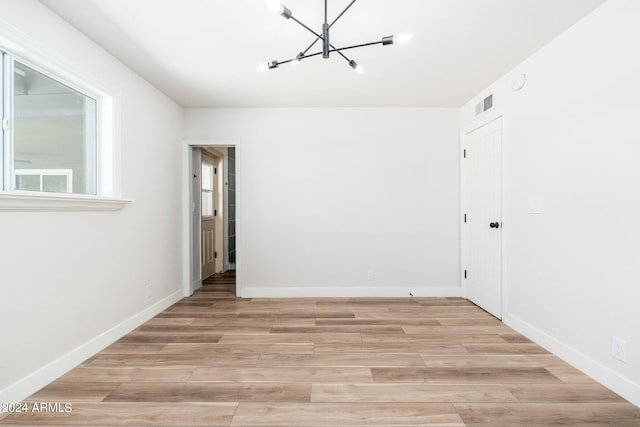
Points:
(188, 236)
(491, 117)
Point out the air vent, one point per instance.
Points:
(484, 105)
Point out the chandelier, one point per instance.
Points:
(327, 46)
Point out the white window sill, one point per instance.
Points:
(43, 202)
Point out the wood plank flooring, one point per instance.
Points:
(214, 360)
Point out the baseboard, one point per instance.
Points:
(350, 291)
(48, 373)
(596, 370)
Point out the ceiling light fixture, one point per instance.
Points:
(327, 47)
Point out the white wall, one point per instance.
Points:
(571, 273)
(327, 195)
(71, 283)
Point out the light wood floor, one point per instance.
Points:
(214, 360)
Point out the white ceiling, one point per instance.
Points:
(204, 53)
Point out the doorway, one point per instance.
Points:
(209, 226)
(482, 216)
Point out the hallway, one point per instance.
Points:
(221, 285)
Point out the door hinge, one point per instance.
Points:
(215, 255)
(215, 212)
(5, 124)
(465, 217)
(215, 171)
(465, 274)
(464, 153)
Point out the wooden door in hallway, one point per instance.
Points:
(209, 212)
(482, 216)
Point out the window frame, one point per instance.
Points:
(107, 182)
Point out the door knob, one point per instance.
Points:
(494, 225)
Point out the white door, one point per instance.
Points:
(482, 216)
(208, 216)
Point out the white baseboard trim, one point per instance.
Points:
(596, 370)
(33, 382)
(350, 291)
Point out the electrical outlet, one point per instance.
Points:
(371, 276)
(619, 349)
(149, 290)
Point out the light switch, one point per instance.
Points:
(535, 206)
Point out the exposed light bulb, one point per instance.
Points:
(403, 38)
(359, 69)
(353, 64)
(262, 67)
(273, 5)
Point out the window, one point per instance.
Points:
(56, 137)
(207, 189)
(50, 138)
